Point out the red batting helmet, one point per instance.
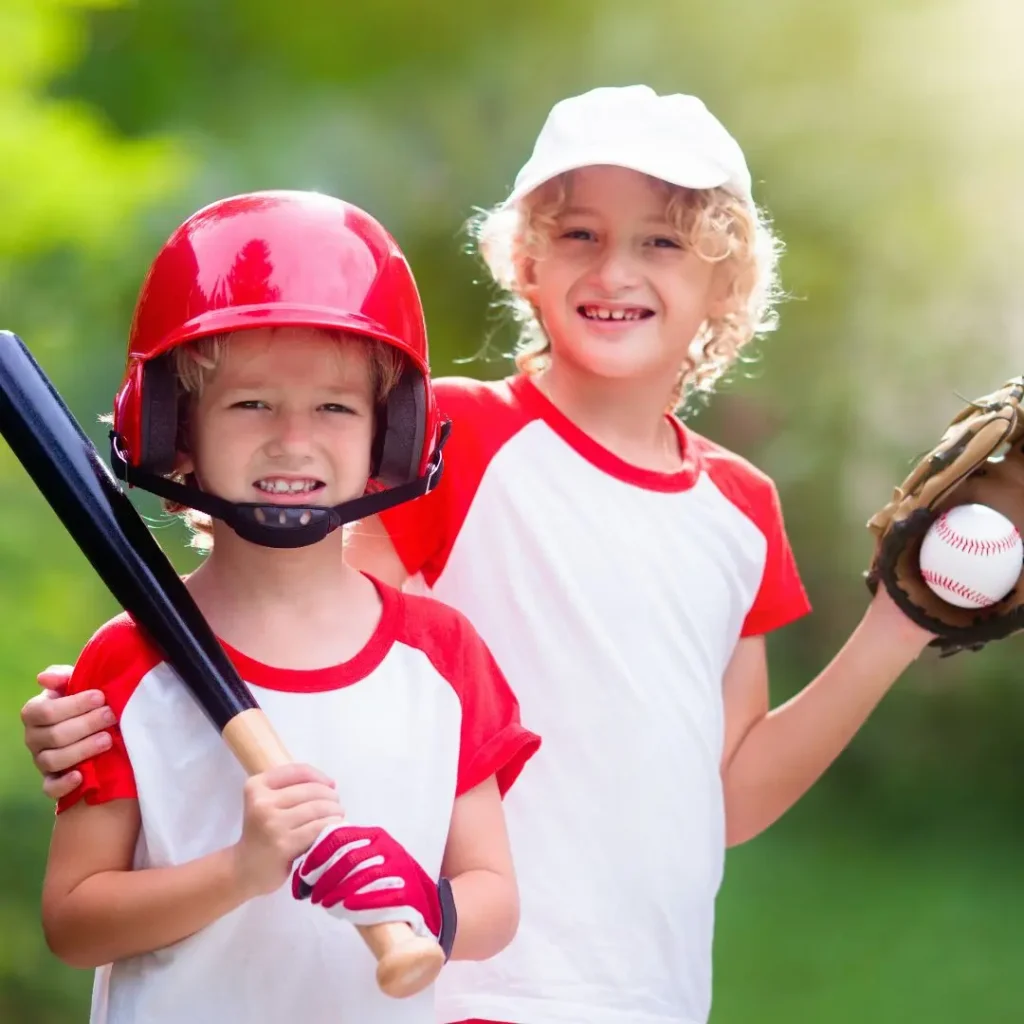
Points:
(273, 259)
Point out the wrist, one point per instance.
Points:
(900, 635)
(241, 880)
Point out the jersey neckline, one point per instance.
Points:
(600, 457)
(333, 677)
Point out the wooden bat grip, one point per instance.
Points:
(406, 963)
(254, 742)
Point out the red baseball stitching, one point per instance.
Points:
(970, 544)
(956, 587)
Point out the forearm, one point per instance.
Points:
(789, 749)
(487, 905)
(118, 914)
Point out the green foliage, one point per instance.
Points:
(66, 178)
(880, 138)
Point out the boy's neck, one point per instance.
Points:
(625, 416)
(298, 608)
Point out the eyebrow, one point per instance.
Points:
(266, 385)
(586, 211)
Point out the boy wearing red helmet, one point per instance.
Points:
(277, 388)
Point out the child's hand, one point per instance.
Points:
(61, 731)
(286, 808)
(366, 876)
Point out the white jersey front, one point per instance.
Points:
(418, 717)
(612, 599)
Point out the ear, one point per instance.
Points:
(721, 296)
(526, 278)
(184, 464)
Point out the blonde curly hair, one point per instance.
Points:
(715, 224)
(197, 361)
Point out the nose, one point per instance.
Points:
(291, 433)
(615, 268)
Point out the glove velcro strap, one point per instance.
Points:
(449, 917)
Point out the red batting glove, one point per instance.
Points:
(365, 876)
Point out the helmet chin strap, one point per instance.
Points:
(279, 526)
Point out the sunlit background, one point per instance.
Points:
(885, 138)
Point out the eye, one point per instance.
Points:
(338, 407)
(250, 403)
(579, 235)
(664, 242)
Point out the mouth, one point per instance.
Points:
(599, 313)
(286, 490)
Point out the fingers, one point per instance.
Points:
(305, 835)
(294, 774)
(49, 743)
(291, 807)
(55, 677)
(58, 786)
(46, 709)
(304, 793)
(55, 760)
(315, 810)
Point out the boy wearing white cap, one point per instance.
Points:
(623, 569)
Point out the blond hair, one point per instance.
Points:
(194, 364)
(713, 223)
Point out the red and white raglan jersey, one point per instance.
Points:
(418, 717)
(612, 598)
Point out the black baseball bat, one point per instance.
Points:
(78, 485)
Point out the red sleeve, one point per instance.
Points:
(492, 739)
(419, 529)
(484, 415)
(781, 598)
(114, 660)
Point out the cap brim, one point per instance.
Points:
(698, 174)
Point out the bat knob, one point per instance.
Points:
(409, 966)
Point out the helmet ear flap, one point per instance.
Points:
(401, 431)
(158, 417)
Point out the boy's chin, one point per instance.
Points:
(620, 362)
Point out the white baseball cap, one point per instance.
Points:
(675, 138)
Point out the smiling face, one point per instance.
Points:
(286, 417)
(618, 292)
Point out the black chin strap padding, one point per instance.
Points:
(282, 527)
(159, 416)
(405, 433)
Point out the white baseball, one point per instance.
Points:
(971, 556)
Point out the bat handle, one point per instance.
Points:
(406, 962)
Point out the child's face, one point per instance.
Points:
(287, 417)
(616, 293)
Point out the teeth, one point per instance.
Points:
(275, 486)
(601, 313)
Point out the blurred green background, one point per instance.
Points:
(886, 140)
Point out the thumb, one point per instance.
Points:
(55, 678)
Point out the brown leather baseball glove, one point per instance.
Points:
(979, 459)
